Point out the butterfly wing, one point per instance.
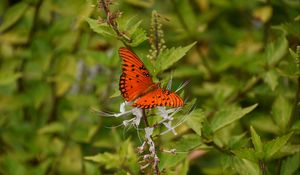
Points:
(135, 79)
(159, 97)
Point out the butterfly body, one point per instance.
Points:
(136, 84)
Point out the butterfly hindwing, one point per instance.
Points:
(159, 97)
(135, 78)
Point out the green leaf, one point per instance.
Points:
(125, 157)
(247, 153)
(276, 50)
(296, 56)
(271, 79)
(296, 126)
(51, 128)
(273, 146)
(183, 168)
(101, 28)
(290, 165)
(247, 167)
(108, 159)
(9, 77)
(182, 146)
(287, 150)
(256, 142)
(12, 15)
(291, 28)
(133, 30)
(195, 120)
(137, 37)
(170, 56)
(187, 13)
(229, 115)
(281, 112)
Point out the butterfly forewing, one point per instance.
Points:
(135, 78)
(136, 84)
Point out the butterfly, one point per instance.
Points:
(137, 86)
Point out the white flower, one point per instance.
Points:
(148, 136)
(167, 115)
(137, 112)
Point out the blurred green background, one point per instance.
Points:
(54, 68)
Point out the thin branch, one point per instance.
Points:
(147, 125)
(21, 81)
(296, 110)
(111, 21)
(145, 118)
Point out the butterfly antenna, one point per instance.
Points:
(183, 85)
(138, 134)
(170, 83)
(110, 114)
(124, 132)
(110, 127)
(182, 120)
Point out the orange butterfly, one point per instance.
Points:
(136, 84)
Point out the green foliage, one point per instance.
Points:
(13, 14)
(277, 50)
(102, 28)
(229, 115)
(59, 60)
(170, 56)
(125, 158)
(195, 120)
(290, 165)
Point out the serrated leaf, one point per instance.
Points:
(170, 56)
(229, 115)
(247, 167)
(287, 150)
(137, 37)
(133, 30)
(281, 112)
(271, 79)
(276, 50)
(101, 28)
(247, 153)
(296, 57)
(290, 165)
(256, 142)
(273, 146)
(12, 15)
(195, 120)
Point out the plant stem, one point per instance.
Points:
(111, 21)
(262, 167)
(21, 80)
(296, 110)
(147, 125)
